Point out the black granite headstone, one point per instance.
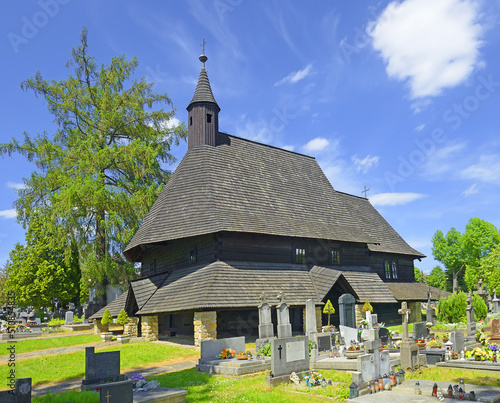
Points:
(117, 392)
(20, 394)
(383, 334)
(101, 367)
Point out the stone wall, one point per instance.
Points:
(131, 327)
(205, 326)
(149, 327)
(98, 326)
(416, 311)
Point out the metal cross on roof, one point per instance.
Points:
(365, 190)
(203, 45)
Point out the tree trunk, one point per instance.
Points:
(455, 281)
(100, 254)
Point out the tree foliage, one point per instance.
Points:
(437, 278)
(103, 167)
(448, 250)
(489, 268)
(453, 309)
(3, 280)
(38, 272)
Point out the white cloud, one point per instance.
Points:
(419, 128)
(432, 44)
(365, 164)
(16, 186)
(317, 144)
(486, 170)
(472, 189)
(295, 76)
(442, 160)
(255, 131)
(394, 199)
(11, 213)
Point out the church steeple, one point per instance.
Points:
(203, 112)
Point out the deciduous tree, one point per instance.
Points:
(437, 278)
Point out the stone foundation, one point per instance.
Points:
(149, 327)
(205, 326)
(99, 327)
(131, 327)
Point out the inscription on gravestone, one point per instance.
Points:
(295, 351)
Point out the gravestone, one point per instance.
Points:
(430, 312)
(310, 318)
(323, 341)
(347, 312)
(349, 334)
(471, 320)
(20, 392)
(457, 338)
(116, 392)
(68, 318)
(374, 319)
(420, 330)
(409, 352)
(495, 331)
(383, 333)
(101, 368)
(284, 326)
(369, 319)
(495, 302)
(290, 354)
(265, 323)
(212, 348)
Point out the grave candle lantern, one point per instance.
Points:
(353, 391)
(401, 373)
(450, 392)
(380, 383)
(417, 389)
(374, 386)
(461, 384)
(434, 390)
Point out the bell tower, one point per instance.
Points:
(203, 112)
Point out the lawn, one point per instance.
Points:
(26, 346)
(252, 388)
(72, 365)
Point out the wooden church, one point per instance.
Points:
(239, 218)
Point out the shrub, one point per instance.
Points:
(106, 318)
(122, 318)
(454, 308)
(367, 307)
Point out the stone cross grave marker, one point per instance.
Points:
(266, 329)
(471, 320)
(368, 317)
(310, 318)
(495, 302)
(68, 318)
(430, 313)
(409, 352)
(284, 326)
(290, 354)
(21, 393)
(116, 392)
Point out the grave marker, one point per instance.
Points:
(347, 313)
(116, 392)
(21, 393)
(290, 354)
(101, 368)
(457, 338)
(68, 318)
(471, 320)
(284, 326)
(409, 352)
(310, 318)
(495, 302)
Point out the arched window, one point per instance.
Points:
(394, 269)
(387, 269)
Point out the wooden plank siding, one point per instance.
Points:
(404, 264)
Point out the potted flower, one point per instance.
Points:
(122, 320)
(353, 352)
(105, 321)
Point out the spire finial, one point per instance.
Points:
(203, 58)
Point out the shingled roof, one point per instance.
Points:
(415, 291)
(240, 284)
(245, 186)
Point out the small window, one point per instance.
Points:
(152, 266)
(192, 255)
(209, 118)
(334, 256)
(394, 269)
(300, 255)
(190, 121)
(387, 269)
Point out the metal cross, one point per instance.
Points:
(279, 349)
(107, 396)
(203, 45)
(365, 190)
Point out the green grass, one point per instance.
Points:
(399, 328)
(453, 376)
(26, 346)
(73, 396)
(66, 366)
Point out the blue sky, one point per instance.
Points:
(403, 97)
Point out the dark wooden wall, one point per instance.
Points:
(405, 266)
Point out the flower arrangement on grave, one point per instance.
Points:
(313, 379)
(433, 343)
(226, 353)
(353, 348)
(138, 380)
(265, 351)
(364, 323)
(367, 307)
(478, 354)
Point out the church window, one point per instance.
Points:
(152, 266)
(334, 256)
(387, 269)
(394, 269)
(209, 118)
(190, 121)
(300, 255)
(193, 255)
